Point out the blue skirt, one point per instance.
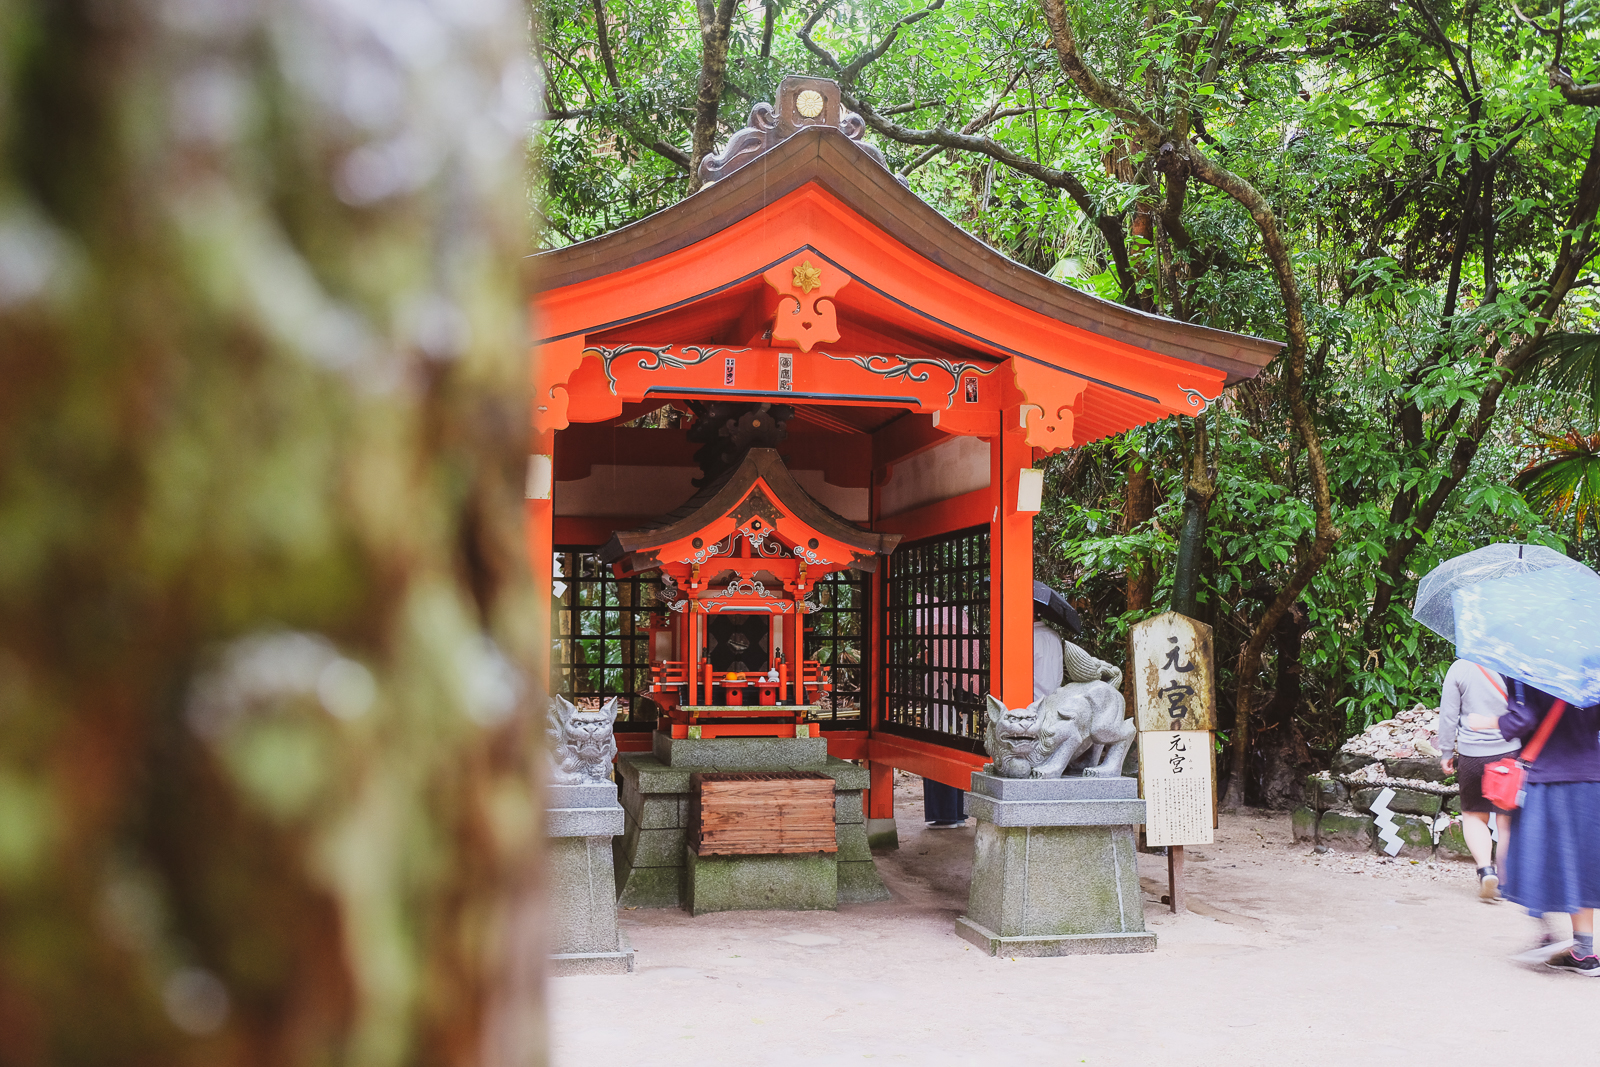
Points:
(1553, 863)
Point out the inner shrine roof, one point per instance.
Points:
(718, 507)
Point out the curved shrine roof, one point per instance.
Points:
(726, 504)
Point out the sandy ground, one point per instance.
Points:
(1286, 957)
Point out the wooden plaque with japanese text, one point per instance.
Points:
(1175, 767)
(1174, 687)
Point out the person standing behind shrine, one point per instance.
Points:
(1556, 864)
(1464, 751)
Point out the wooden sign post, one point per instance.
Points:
(1175, 709)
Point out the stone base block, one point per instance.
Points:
(741, 753)
(1054, 789)
(1061, 945)
(1404, 801)
(1305, 824)
(566, 964)
(859, 883)
(1416, 837)
(882, 833)
(582, 905)
(803, 882)
(1055, 881)
(1345, 831)
(1324, 794)
(650, 887)
(1453, 844)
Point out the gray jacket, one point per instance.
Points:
(1468, 690)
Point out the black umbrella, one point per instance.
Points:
(1053, 607)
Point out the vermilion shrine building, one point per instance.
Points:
(887, 576)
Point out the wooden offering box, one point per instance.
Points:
(761, 813)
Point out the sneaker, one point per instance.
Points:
(1588, 966)
(1488, 885)
(1547, 948)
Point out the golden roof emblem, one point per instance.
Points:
(807, 277)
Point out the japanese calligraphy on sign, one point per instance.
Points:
(1173, 685)
(1176, 769)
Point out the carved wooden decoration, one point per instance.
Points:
(806, 285)
(802, 102)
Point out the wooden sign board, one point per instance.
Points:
(1176, 768)
(1174, 687)
(761, 813)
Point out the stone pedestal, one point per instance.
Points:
(1054, 870)
(652, 854)
(581, 822)
(803, 882)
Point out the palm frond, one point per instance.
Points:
(1564, 482)
(1567, 361)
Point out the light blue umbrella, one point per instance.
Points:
(1434, 607)
(1543, 628)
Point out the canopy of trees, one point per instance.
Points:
(1405, 193)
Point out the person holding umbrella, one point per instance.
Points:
(1538, 630)
(1472, 692)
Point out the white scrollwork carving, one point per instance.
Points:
(802, 552)
(909, 368)
(721, 548)
(1198, 400)
(744, 587)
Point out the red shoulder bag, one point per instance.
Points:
(1503, 780)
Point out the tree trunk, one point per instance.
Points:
(716, 21)
(264, 745)
(1197, 493)
(1281, 757)
(1138, 508)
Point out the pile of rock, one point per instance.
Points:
(1399, 754)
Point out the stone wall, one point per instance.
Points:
(1338, 814)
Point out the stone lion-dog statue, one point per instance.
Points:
(1081, 726)
(581, 742)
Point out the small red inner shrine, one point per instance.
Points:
(736, 564)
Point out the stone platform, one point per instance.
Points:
(652, 856)
(1054, 868)
(581, 821)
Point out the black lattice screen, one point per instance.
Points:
(936, 634)
(836, 637)
(600, 634)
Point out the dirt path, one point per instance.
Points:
(1286, 958)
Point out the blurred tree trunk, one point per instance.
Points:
(1138, 507)
(264, 744)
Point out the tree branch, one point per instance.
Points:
(1089, 83)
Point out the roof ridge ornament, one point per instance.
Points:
(802, 102)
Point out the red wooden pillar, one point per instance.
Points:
(540, 517)
(1010, 568)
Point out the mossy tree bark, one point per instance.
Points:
(264, 762)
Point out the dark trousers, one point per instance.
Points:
(943, 803)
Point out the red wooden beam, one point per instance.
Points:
(948, 765)
(847, 744)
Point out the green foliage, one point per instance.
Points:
(1423, 169)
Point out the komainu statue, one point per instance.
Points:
(1079, 726)
(581, 742)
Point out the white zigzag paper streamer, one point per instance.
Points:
(1494, 828)
(1440, 824)
(1388, 833)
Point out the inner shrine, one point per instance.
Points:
(736, 564)
(782, 489)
